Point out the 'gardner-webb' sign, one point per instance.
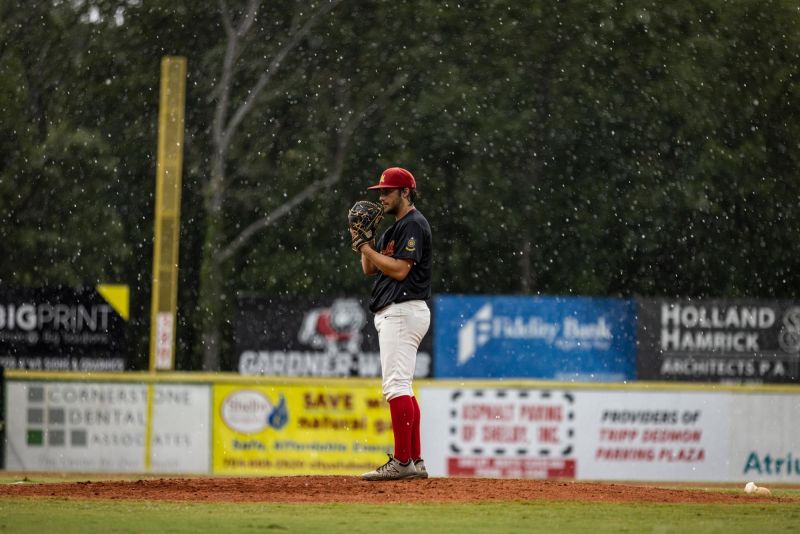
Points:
(296, 336)
(64, 329)
(719, 340)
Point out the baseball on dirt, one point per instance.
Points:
(751, 487)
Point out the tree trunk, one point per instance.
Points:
(527, 281)
(209, 303)
(218, 248)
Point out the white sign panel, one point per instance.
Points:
(75, 426)
(634, 435)
(101, 427)
(181, 429)
(765, 438)
(165, 333)
(498, 432)
(623, 434)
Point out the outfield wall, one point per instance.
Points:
(236, 425)
(614, 433)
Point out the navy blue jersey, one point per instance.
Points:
(408, 238)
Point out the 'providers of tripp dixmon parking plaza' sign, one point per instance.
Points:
(740, 340)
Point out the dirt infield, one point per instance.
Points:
(343, 489)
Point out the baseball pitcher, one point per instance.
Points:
(401, 263)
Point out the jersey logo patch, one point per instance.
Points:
(411, 246)
(388, 250)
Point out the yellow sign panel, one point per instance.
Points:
(118, 296)
(300, 430)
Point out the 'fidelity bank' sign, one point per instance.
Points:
(718, 340)
(561, 338)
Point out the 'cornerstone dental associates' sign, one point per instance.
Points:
(103, 427)
(719, 340)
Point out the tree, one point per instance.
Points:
(611, 149)
(57, 174)
(232, 107)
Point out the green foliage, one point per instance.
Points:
(61, 213)
(598, 148)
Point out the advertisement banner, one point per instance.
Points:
(294, 336)
(300, 429)
(502, 433)
(181, 433)
(765, 438)
(610, 434)
(719, 340)
(2, 418)
(61, 329)
(562, 338)
(632, 435)
(101, 427)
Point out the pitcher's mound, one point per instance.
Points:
(345, 489)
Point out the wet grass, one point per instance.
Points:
(37, 515)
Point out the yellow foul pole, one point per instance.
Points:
(169, 167)
(167, 215)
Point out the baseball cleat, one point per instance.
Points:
(419, 465)
(392, 470)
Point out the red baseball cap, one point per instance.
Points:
(394, 177)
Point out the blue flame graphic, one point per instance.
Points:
(279, 416)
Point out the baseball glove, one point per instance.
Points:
(363, 219)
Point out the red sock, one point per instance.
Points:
(416, 448)
(402, 422)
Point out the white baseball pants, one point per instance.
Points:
(401, 328)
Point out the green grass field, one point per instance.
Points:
(44, 515)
